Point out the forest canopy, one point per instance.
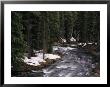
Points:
(37, 30)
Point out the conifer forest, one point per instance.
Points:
(55, 43)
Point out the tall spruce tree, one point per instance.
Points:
(18, 44)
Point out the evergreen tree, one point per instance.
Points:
(18, 44)
(39, 30)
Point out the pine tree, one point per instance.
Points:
(18, 44)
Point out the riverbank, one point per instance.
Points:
(71, 61)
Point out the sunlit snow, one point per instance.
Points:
(51, 56)
(72, 39)
(64, 40)
(35, 61)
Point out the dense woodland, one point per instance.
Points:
(37, 30)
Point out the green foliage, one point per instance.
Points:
(17, 40)
(40, 29)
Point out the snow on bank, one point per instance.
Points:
(72, 39)
(73, 45)
(51, 56)
(63, 40)
(35, 61)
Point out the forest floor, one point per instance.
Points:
(74, 62)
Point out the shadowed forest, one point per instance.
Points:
(55, 43)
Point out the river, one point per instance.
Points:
(74, 63)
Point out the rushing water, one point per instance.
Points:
(74, 63)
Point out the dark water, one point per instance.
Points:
(74, 63)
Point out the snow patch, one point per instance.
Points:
(80, 43)
(73, 45)
(95, 43)
(55, 48)
(64, 40)
(84, 44)
(89, 43)
(35, 61)
(34, 71)
(51, 56)
(72, 39)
